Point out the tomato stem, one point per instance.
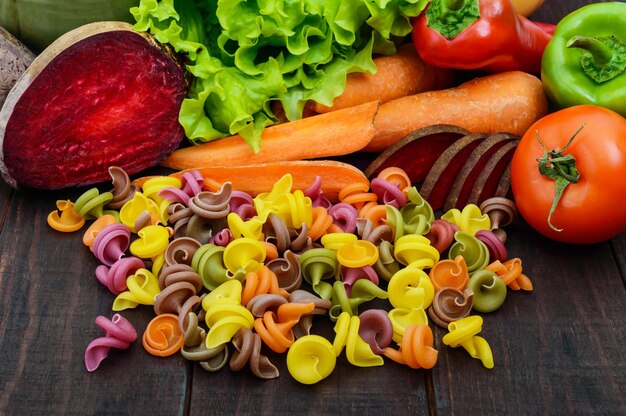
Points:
(560, 168)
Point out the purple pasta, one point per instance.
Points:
(497, 250)
(192, 181)
(111, 243)
(317, 196)
(119, 333)
(344, 216)
(376, 329)
(174, 195)
(114, 278)
(242, 204)
(351, 275)
(222, 238)
(388, 193)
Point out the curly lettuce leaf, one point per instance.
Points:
(245, 54)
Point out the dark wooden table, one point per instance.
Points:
(557, 350)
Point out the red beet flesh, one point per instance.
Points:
(110, 99)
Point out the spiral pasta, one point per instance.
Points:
(511, 274)
(474, 252)
(114, 278)
(143, 286)
(123, 190)
(416, 348)
(275, 328)
(450, 305)
(119, 333)
(464, 333)
(248, 351)
(469, 220)
(194, 347)
(91, 203)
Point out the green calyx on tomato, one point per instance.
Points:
(560, 168)
(451, 17)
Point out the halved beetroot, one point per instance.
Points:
(100, 95)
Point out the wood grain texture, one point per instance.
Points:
(6, 195)
(49, 299)
(557, 350)
(619, 251)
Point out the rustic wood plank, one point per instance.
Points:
(6, 195)
(349, 390)
(49, 299)
(553, 11)
(619, 251)
(557, 350)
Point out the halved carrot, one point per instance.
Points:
(256, 179)
(398, 75)
(506, 102)
(333, 134)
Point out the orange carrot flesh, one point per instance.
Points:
(333, 134)
(506, 102)
(396, 76)
(255, 179)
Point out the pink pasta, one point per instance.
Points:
(119, 333)
(114, 278)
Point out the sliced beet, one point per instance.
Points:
(487, 182)
(416, 152)
(440, 178)
(100, 95)
(478, 159)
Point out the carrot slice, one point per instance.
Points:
(255, 179)
(333, 134)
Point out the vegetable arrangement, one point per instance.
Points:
(277, 82)
(243, 55)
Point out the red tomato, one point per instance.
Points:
(592, 209)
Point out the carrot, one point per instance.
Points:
(505, 102)
(332, 134)
(255, 179)
(396, 76)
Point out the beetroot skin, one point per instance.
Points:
(110, 98)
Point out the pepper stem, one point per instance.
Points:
(603, 59)
(451, 17)
(560, 168)
(601, 53)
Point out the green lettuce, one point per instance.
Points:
(244, 55)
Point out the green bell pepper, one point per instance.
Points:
(585, 62)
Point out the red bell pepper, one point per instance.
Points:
(479, 34)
